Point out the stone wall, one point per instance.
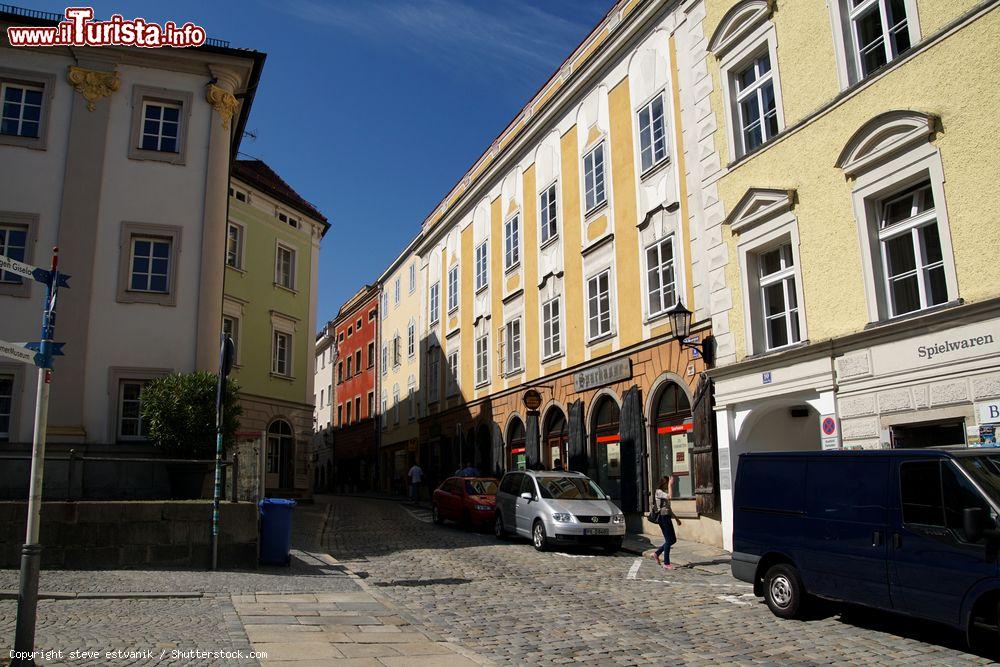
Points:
(136, 534)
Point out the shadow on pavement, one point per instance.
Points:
(448, 581)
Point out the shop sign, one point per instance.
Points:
(829, 431)
(969, 341)
(989, 412)
(606, 373)
(532, 399)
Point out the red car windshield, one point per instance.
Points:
(481, 487)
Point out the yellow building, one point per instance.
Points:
(851, 156)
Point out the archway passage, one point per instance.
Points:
(555, 436)
(484, 451)
(606, 446)
(673, 428)
(516, 436)
(280, 455)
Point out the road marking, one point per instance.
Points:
(745, 600)
(634, 570)
(419, 513)
(566, 555)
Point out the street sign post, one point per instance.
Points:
(40, 354)
(227, 354)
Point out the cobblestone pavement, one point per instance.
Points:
(513, 605)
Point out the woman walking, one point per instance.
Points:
(662, 497)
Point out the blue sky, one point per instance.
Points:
(373, 109)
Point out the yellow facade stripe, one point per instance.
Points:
(529, 260)
(626, 233)
(572, 262)
(465, 359)
(681, 173)
(495, 323)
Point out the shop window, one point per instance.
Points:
(674, 440)
(516, 447)
(928, 434)
(606, 445)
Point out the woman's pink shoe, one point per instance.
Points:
(656, 557)
(668, 566)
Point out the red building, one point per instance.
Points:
(355, 427)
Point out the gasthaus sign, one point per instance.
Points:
(606, 373)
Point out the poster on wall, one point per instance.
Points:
(987, 435)
(680, 450)
(614, 459)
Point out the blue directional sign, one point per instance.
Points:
(35, 273)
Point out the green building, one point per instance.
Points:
(272, 269)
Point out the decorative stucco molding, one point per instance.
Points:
(223, 101)
(883, 136)
(758, 205)
(737, 23)
(93, 84)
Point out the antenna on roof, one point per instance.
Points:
(250, 134)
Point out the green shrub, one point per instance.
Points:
(179, 411)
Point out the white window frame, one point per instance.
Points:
(235, 319)
(385, 304)
(395, 404)
(20, 119)
(434, 375)
(159, 135)
(275, 366)
(513, 346)
(120, 418)
(552, 339)
(548, 213)
(32, 80)
(648, 108)
(412, 277)
(483, 360)
(453, 293)
(666, 300)
(397, 290)
(411, 339)
(482, 266)
(737, 57)
(411, 399)
(594, 279)
(434, 303)
(453, 373)
(278, 277)
(385, 359)
(512, 242)
(845, 41)
(788, 272)
(590, 179)
(168, 278)
(238, 252)
(14, 376)
(383, 417)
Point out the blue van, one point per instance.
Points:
(913, 531)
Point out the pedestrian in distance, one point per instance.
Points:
(661, 514)
(416, 476)
(557, 466)
(468, 471)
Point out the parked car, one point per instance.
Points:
(913, 531)
(557, 507)
(468, 500)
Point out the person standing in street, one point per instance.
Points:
(416, 476)
(557, 466)
(662, 497)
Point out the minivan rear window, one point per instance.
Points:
(771, 484)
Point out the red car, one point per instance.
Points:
(468, 500)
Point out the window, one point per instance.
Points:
(131, 425)
(150, 264)
(548, 215)
(920, 493)
(483, 359)
(357, 408)
(287, 219)
(599, 305)
(513, 349)
(452, 289)
(340, 372)
(959, 493)
(385, 304)
(322, 396)
(912, 257)
(385, 407)
(350, 331)
(22, 110)
(482, 266)
(433, 374)
(371, 404)
(13, 244)
(411, 397)
(357, 361)
(778, 297)
(756, 106)
(652, 134)
(282, 354)
(397, 356)
(6, 404)
(879, 33)
(593, 178)
(160, 127)
(371, 314)
(395, 404)
(347, 412)
(350, 360)
(411, 339)
(551, 340)
(234, 246)
(371, 355)
(396, 291)
(511, 243)
(279, 446)
(434, 306)
(284, 267)
(453, 371)
(329, 394)
(231, 328)
(340, 337)
(340, 415)
(661, 281)
(413, 278)
(357, 325)
(385, 359)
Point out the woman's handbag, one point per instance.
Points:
(654, 515)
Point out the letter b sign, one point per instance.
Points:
(989, 413)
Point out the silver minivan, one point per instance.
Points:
(557, 507)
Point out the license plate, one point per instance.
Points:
(595, 531)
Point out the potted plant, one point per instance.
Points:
(179, 410)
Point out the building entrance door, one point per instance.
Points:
(674, 440)
(517, 459)
(556, 437)
(606, 447)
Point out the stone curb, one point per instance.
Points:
(59, 595)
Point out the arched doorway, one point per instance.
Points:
(606, 445)
(516, 457)
(484, 451)
(280, 455)
(672, 426)
(555, 438)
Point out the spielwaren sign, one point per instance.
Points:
(606, 373)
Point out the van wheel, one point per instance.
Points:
(498, 530)
(783, 590)
(538, 537)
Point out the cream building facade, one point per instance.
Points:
(851, 149)
(398, 368)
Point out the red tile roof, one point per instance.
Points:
(257, 174)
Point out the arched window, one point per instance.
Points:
(672, 424)
(556, 436)
(279, 449)
(516, 444)
(606, 445)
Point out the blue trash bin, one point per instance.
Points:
(275, 531)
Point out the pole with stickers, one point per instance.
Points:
(40, 354)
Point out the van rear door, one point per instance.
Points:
(933, 564)
(845, 535)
